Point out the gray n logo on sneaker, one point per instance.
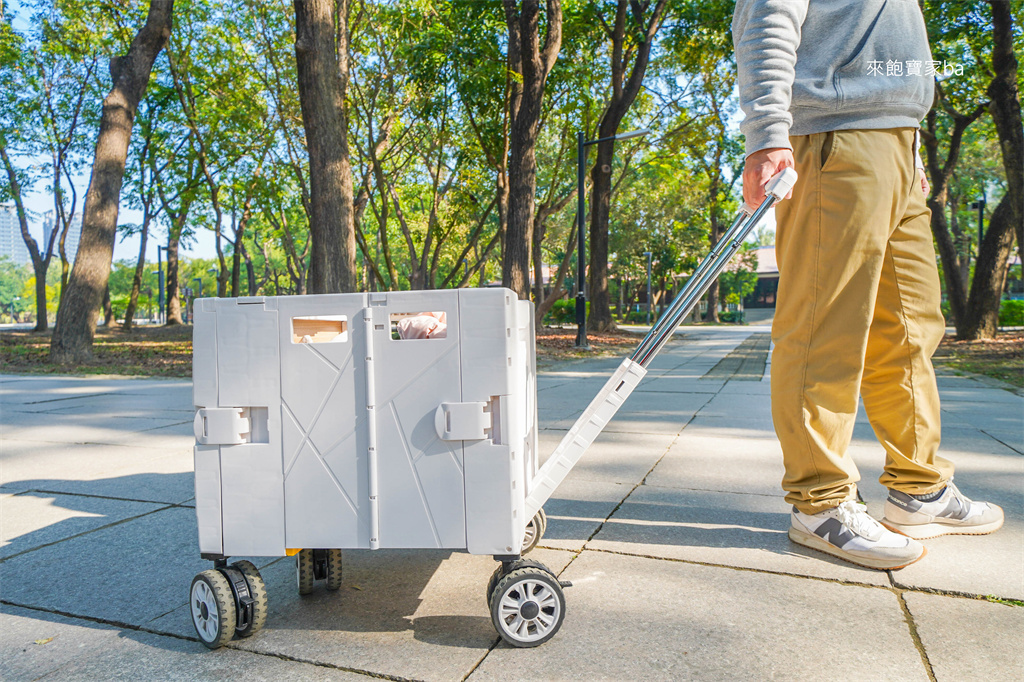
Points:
(833, 531)
(955, 509)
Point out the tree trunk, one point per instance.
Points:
(624, 92)
(981, 318)
(532, 64)
(40, 264)
(108, 308)
(140, 270)
(76, 320)
(1006, 114)
(321, 55)
(172, 300)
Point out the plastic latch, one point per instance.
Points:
(462, 421)
(220, 426)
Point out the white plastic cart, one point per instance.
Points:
(320, 426)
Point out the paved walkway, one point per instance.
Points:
(672, 530)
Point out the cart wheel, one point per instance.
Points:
(333, 569)
(304, 571)
(258, 592)
(534, 530)
(213, 608)
(503, 570)
(527, 607)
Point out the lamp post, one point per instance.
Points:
(160, 280)
(648, 254)
(979, 206)
(581, 254)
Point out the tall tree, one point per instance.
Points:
(981, 44)
(76, 320)
(631, 36)
(982, 314)
(530, 63)
(321, 55)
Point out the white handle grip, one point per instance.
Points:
(781, 184)
(778, 187)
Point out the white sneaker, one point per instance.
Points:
(849, 532)
(952, 513)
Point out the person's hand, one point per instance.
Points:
(759, 169)
(924, 182)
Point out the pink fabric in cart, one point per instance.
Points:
(431, 325)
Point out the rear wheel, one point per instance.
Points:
(304, 571)
(333, 569)
(527, 607)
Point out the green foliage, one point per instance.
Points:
(1011, 313)
(563, 312)
(740, 277)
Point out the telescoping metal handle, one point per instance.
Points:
(712, 265)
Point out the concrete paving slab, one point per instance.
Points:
(696, 462)
(633, 618)
(83, 428)
(736, 425)
(132, 473)
(81, 650)
(614, 457)
(748, 531)
(129, 573)
(969, 639)
(409, 614)
(31, 520)
(577, 510)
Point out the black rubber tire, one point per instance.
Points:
(304, 571)
(258, 591)
(513, 583)
(514, 566)
(543, 522)
(333, 569)
(217, 627)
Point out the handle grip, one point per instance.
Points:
(778, 187)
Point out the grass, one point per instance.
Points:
(144, 351)
(167, 352)
(1000, 358)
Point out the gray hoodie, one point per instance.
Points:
(810, 66)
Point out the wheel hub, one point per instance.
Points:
(204, 611)
(529, 610)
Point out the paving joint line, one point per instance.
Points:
(101, 497)
(1001, 442)
(139, 628)
(908, 618)
(91, 530)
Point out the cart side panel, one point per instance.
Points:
(206, 457)
(252, 488)
(488, 325)
(323, 416)
(525, 377)
(420, 480)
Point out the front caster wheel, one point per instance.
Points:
(534, 530)
(527, 607)
(333, 569)
(258, 593)
(304, 577)
(213, 608)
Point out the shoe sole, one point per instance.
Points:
(926, 531)
(814, 542)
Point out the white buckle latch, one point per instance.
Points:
(220, 426)
(462, 421)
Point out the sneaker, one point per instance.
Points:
(951, 513)
(849, 532)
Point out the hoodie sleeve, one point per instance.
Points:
(766, 35)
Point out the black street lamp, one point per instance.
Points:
(979, 206)
(648, 254)
(581, 254)
(160, 279)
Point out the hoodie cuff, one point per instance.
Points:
(773, 135)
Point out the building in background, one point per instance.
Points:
(74, 234)
(12, 244)
(763, 295)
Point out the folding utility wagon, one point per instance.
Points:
(388, 420)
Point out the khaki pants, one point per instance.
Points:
(858, 314)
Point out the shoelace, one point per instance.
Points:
(854, 517)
